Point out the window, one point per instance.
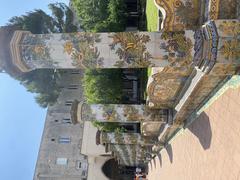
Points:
(68, 103)
(83, 173)
(73, 86)
(75, 72)
(64, 140)
(61, 161)
(67, 121)
(78, 165)
(131, 127)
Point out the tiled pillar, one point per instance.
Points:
(125, 138)
(120, 113)
(101, 50)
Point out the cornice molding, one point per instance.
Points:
(16, 51)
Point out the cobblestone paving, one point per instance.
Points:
(209, 149)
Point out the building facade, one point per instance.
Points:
(60, 155)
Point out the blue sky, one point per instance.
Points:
(9, 8)
(21, 119)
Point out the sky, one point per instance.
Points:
(21, 119)
(9, 8)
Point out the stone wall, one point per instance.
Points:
(61, 138)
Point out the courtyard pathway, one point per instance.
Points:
(209, 149)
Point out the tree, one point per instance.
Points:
(90, 12)
(38, 22)
(109, 127)
(103, 85)
(44, 82)
(63, 17)
(101, 15)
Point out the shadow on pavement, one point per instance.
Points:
(160, 159)
(151, 166)
(170, 152)
(154, 162)
(201, 128)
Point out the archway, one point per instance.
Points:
(110, 168)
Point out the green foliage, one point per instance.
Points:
(152, 15)
(44, 83)
(108, 126)
(103, 86)
(63, 17)
(149, 72)
(90, 12)
(38, 22)
(101, 15)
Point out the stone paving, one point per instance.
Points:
(209, 149)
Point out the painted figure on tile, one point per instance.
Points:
(81, 47)
(231, 49)
(230, 28)
(131, 49)
(131, 113)
(179, 48)
(188, 13)
(109, 113)
(35, 48)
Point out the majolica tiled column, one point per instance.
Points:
(101, 50)
(120, 113)
(125, 138)
(130, 155)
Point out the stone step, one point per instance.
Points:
(194, 81)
